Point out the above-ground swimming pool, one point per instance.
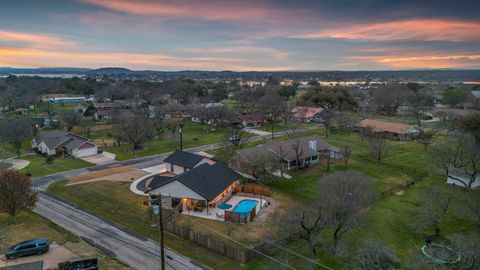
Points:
(245, 206)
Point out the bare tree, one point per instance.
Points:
(298, 149)
(135, 129)
(269, 106)
(433, 206)
(158, 121)
(291, 126)
(457, 154)
(70, 119)
(16, 193)
(345, 196)
(347, 153)
(309, 222)
(426, 136)
(15, 132)
(379, 147)
(373, 254)
(328, 116)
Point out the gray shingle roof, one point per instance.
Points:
(57, 138)
(288, 148)
(206, 180)
(184, 159)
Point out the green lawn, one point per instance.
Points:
(391, 220)
(194, 134)
(31, 225)
(115, 201)
(38, 166)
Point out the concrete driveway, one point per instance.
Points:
(51, 259)
(100, 159)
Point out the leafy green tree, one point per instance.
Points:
(455, 97)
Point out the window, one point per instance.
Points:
(314, 157)
(171, 167)
(24, 247)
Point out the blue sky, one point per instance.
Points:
(240, 35)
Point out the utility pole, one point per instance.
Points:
(162, 242)
(181, 138)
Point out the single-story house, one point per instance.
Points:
(456, 174)
(309, 149)
(205, 113)
(306, 114)
(180, 161)
(201, 187)
(390, 130)
(248, 120)
(49, 143)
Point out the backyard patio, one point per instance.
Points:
(218, 212)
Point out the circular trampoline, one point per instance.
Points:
(224, 206)
(440, 254)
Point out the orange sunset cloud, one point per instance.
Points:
(412, 29)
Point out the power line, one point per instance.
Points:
(239, 243)
(278, 246)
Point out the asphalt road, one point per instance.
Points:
(133, 250)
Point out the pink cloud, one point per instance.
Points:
(25, 57)
(35, 40)
(424, 61)
(412, 29)
(216, 10)
(240, 50)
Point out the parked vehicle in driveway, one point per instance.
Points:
(30, 247)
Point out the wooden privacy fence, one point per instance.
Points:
(238, 254)
(256, 189)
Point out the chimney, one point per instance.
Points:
(312, 145)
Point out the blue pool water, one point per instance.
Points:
(224, 206)
(245, 206)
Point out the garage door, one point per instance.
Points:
(87, 152)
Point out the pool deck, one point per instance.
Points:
(218, 214)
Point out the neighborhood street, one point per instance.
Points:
(133, 250)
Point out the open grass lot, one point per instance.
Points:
(194, 134)
(391, 220)
(30, 225)
(114, 201)
(38, 166)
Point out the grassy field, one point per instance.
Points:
(38, 166)
(115, 201)
(392, 221)
(30, 225)
(194, 134)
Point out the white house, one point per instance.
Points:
(459, 177)
(201, 187)
(49, 142)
